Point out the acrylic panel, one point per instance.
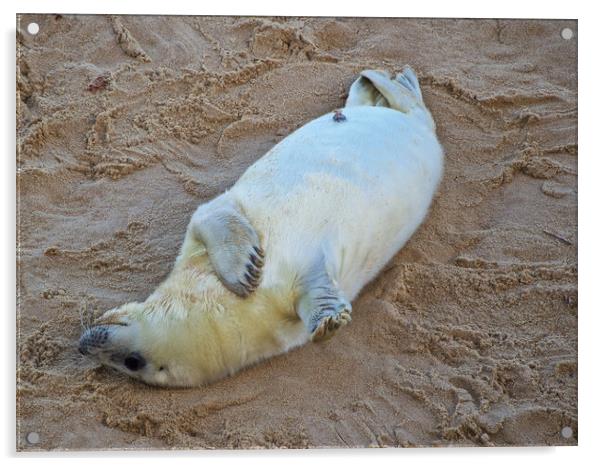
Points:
(467, 336)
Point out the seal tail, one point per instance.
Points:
(378, 88)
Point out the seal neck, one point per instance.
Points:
(213, 331)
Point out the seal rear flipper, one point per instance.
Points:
(232, 245)
(363, 92)
(322, 306)
(379, 89)
(408, 79)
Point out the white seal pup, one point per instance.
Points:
(275, 261)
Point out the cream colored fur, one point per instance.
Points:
(349, 193)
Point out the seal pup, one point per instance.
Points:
(275, 261)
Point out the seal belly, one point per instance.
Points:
(353, 190)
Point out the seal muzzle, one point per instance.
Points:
(93, 338)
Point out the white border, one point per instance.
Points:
(589, 212)
(422, 8)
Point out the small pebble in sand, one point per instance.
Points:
(101, 82)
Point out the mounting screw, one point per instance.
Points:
(33, 438)
(566, 432)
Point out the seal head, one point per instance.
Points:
(125, 339)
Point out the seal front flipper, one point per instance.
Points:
(232, 245)
(321, 306)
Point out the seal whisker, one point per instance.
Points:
(84, 311)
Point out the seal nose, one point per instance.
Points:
(94, 337)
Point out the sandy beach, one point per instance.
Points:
(469, 335)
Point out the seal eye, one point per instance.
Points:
(134, 362)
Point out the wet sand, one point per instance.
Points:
(468, 337)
